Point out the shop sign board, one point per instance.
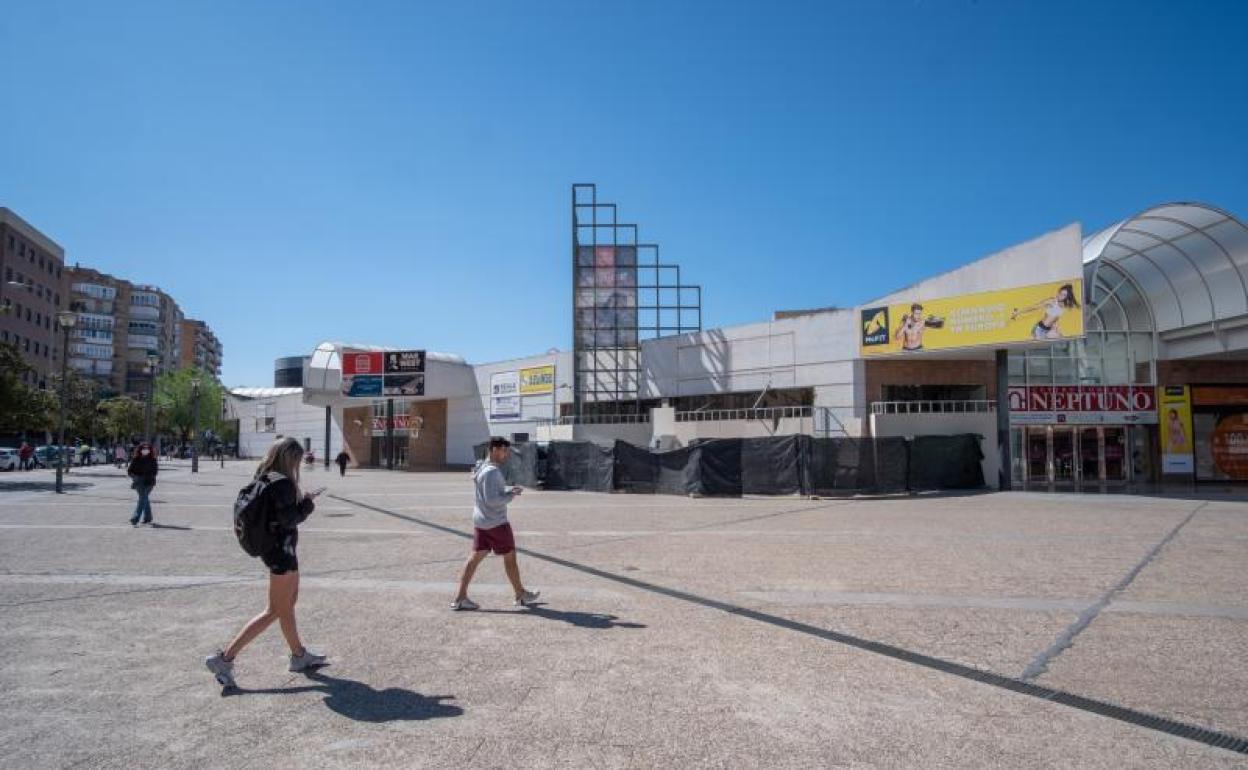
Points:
(505, 395)
(1175, 420)
(374, 373)
(403, 423)
(537, 380)
(1083, 405)
(1038, 313)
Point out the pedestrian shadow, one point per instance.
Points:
(362, 703)
(154, 525)
(578, 619)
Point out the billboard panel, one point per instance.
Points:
(361, 385)
(537, 380)
(1176, 430)
(404, 385)
(1039, 313)
(360, 362)
(405, 361)
(505, 395)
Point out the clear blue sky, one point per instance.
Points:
(398, 172)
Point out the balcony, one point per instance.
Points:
(145, 312)
(142, 342)
(932, 407)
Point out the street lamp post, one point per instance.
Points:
(64, 319)
(152, 360)
(195, 425)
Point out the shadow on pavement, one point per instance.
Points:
(154, 525)
(40, 486)
(578, 619)
(360, 702)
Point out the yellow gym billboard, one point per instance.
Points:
(537, 380)
(1041, 313)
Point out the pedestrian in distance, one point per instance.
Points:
(142, 472)
(119, 455)
(276, 506)
(491, 530)
(25, 456)
(342, 459)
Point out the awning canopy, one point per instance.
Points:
(1179, 268)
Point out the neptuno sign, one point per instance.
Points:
(1083, 404)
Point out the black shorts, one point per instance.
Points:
(282, 557)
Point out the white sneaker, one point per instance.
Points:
(527, 598)
(221, 668)
(307, 660)
(464, 604)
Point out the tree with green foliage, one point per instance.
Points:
(22, 407)
(174, 406)
(123, 418)
(83, 418)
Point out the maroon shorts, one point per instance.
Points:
(498, 539)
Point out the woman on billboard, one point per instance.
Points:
(1047, 328)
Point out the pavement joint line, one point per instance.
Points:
(1154, 722)
(1040, 664)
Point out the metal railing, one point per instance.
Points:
(763, 413)
(931, 407)
(595, 419)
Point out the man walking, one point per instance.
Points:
(25, 455)
(491, 530)
(342, 459)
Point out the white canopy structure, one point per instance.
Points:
(1179, 270)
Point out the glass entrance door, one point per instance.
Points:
(1064, 469)
(1089, 455)
(1115, 454)
(1037, 456)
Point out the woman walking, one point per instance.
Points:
(284, 508)
(142, 471)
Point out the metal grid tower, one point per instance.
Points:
(622, 293)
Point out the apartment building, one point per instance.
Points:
(31, 293)
(121, 326)
(200, 348)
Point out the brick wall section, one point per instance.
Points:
(358, 437)
(928, 371)
(427, 452)
(1202, 372)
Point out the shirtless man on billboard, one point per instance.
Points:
(910, 333)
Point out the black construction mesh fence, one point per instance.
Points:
(776, 465)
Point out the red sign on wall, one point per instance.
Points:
(359, 362)
(1085, 404)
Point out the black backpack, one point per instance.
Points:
(251, 520)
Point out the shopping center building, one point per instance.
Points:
(1120, 359)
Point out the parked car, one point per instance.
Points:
(50, 456)
(8, 459)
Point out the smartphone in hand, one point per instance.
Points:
(517, 490)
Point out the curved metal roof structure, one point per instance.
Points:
(1180, 269)
(264, 392)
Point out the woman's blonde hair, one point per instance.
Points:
(284, 457)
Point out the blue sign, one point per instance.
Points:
(363, 386)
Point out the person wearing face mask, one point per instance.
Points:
(142, 471)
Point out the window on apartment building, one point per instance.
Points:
(27, 315)
(28, 344)
(5, 336)
(8, 274)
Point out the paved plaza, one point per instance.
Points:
(993, 630)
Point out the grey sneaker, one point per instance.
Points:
(221, 668)
(527, 598)
(307, 660)
(464, 604)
